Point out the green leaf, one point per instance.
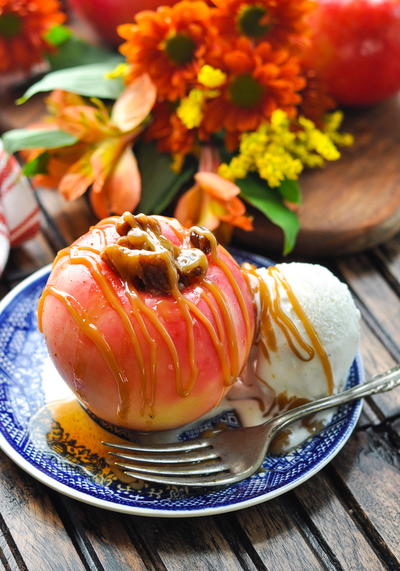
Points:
(76, 52)
(57, 35)
(89, 80)
(18, 139)
(159, 182)
(37, 165)
(290, 190)
(270, 203)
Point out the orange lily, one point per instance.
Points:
(102, 158)
(213, 200)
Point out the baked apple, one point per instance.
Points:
(149, 323)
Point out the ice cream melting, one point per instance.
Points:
(308, 330)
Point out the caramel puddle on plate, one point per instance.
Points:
(63, 429)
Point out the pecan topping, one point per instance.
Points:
(152, 262)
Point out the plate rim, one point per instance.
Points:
(71, 492)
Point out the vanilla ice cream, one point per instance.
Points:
(309, 330)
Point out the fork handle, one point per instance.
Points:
(380, 383)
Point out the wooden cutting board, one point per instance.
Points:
(348, 206)
(352, 204)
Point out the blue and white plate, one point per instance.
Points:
(28, 381)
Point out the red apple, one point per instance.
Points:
(105, 15)
(84, 313)
(355, 47)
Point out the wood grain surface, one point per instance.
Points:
(354, 203)
(344, 518)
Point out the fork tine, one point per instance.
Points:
(163, 458)
(191, 470)
(186, 446)
(197, 481)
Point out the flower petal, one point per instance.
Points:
(104, 158)
(123, 185)
(187, 210)
(134, 104)
(99, 202)
(78, 178)
(217, 186)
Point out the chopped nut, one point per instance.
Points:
(203, 239)
(153, 263)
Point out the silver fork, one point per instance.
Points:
(229, 455)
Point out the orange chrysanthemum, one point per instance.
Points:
(23, 26)
(169, 132)
(275, 21)
(169, 44)
(259, 80)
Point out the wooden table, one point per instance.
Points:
(346, 517)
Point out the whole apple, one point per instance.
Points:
(355, 47)
(137, 357)
(105, 15)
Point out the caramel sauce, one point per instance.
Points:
(271, 310)
(89, 329)
(222, 331)
(64, 429)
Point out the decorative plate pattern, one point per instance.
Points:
(24, 371)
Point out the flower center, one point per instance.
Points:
(245, 91)
(180, 49)
(10, 25)
(251, 21)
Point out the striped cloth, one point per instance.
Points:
(19, 212)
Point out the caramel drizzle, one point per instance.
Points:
(114, 301)
(228, 326)
(187, 308)
(271, 310)
(239, 296)
(89, 329)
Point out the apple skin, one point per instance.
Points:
(81, 365)
(355, 48)
(105, 15)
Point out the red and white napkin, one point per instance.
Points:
(19, 212)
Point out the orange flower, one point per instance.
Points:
(102, 158)
(23, 26)
(212, 200)
(259, 80)
(169, 44)
(276, 21)
(169, 132)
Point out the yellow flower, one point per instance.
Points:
(190, 110)
(211, 76)
(280, 149)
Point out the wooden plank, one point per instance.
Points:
(36, 529)
(72, 219)
(107, 535)
(377, 298)
(184, 544)
(377, 359)
(281, 538)
(336, 525)
(366, 475)
(389, 255)
(10, 558)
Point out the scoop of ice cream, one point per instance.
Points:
(309, 330)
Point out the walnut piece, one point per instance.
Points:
(143, 256)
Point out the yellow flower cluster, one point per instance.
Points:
(190, 109)
(281, 149)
